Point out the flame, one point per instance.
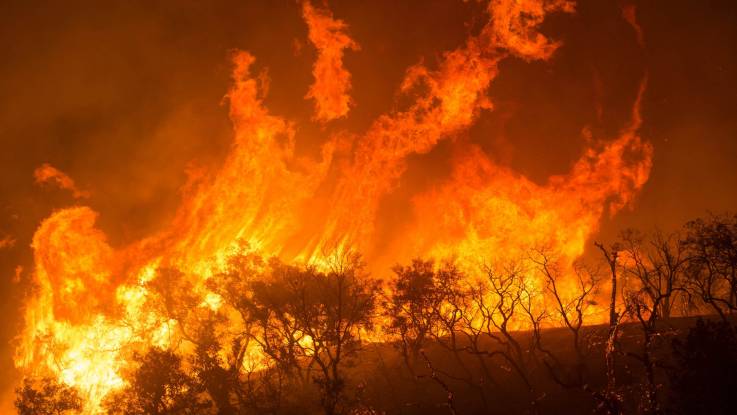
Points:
(90, 307)
(491, 212)
(332, 81)
(515, 26)
(47, 173)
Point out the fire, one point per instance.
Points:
(491, 212)
(90, 308)
(50, 174)
(332, 81)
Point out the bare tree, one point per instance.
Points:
(570, 306)
(497, 300)
(712, 252)
(657, 262)
(647, 315)
(611, 255)
(611, 400)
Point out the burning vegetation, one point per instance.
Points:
(268, 292)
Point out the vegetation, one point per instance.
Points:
(515, 338)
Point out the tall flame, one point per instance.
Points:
(89, 306)
(486, 211)
(332, 81)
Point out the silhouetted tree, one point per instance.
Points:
(712, 251)
(176, 299)
(570, 307)
(411, 308)
(195, 323)
(495, 304)
(656, 262)
(257, 381)
(421, 305)
(311, 321)
(704, 380)
(158, 386)
(46, 396)
(425, 306)
(611, 255)
(611, 399)
(571, 302)
(219, 379)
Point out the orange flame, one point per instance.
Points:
(50, 174)
(332, 81)
(488, 211)
(89, 308)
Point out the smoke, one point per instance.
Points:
(7, 241)
(629, 12)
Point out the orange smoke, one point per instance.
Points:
(332, 81)
(629, 12)
(7, 241)
(89, 309)
(50, 174)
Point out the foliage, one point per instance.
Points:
(288, 338)
(159, 386)
(703, 378)
(46, 397)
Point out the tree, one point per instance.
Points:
(496, 301)
(257, 381)
(570, 306)
(712, 251)
(657, 262)
(611, 401)
(703, 379)
(175, 298)
(417, 293)
(611, 255)
(46, 396)
(426, 304)
(211, 373)
(311, 321)
(158, 386)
